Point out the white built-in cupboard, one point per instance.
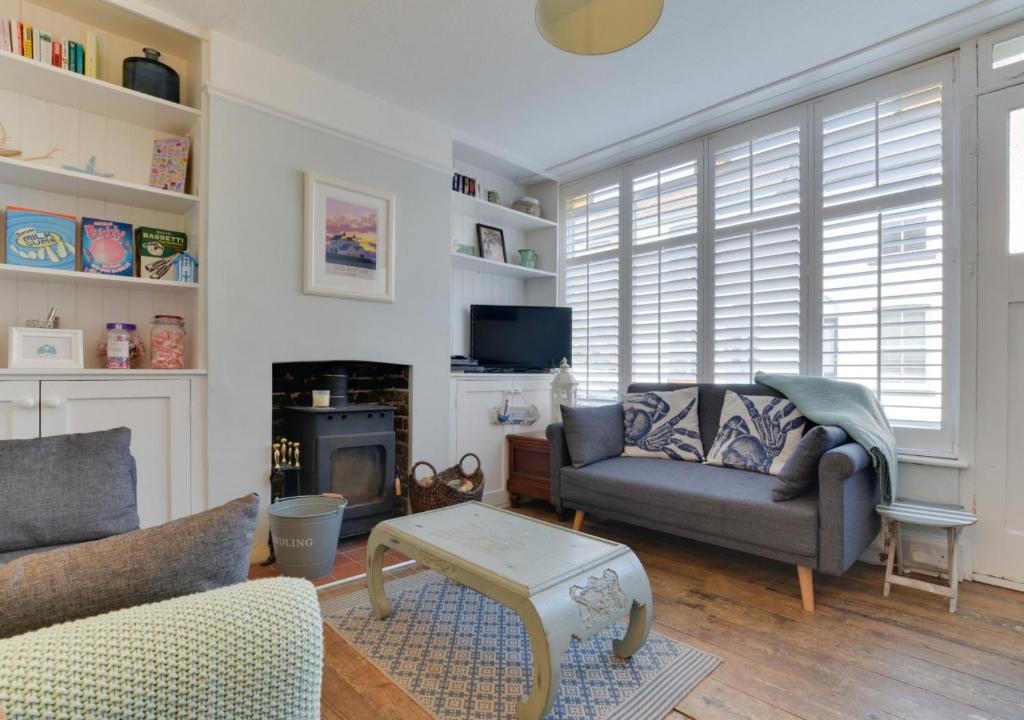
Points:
(477, 281)
(473, 401)
(64, 118)
(163, 412)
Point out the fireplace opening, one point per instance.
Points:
(352, 445)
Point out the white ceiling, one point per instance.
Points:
(480, 66)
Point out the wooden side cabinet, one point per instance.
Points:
(529, 467)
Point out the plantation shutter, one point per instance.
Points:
(592, 288)
(756, 248)
(882, 251)
(664, 204)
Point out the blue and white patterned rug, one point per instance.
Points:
(461, 655)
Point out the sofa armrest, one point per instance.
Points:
(559, 459)
(848, 491)
(264, 638)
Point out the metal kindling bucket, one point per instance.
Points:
(305, 530)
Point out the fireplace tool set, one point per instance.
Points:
(284, 477)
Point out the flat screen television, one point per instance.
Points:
(520, 337)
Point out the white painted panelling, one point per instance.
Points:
(60, 135)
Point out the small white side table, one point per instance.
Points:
(952, 518)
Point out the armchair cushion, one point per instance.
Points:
(200, 552)
(593, 433)
(66, 489)
(800, 473)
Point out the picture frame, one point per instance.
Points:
(44, 348)
(348, 241)
(491, 243)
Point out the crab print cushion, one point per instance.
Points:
(756, 433)
(663, 425)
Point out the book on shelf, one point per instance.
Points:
(31, 42)
(91, 64)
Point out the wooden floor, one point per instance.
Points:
(858, 656)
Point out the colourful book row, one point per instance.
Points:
(40, 239)
(23, 39)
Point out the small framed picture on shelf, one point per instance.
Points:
(40, 348)
(492, 243)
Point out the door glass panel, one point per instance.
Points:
(1016, 190)
(1008, 52)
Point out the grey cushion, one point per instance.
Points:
(800, 473)
(193, 554)
(593, 433)
(714, 501)
(66, 489)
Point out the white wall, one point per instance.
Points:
(257, 312)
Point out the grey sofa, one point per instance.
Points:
(826, 529)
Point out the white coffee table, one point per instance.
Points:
(562, 583)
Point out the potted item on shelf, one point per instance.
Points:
(108, 247)
(120, 348)
(148, 75)
(528, 258)
(167, 343)
(493, 197)
(528, 205)
(40, 239)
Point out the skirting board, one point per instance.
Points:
(498, 498)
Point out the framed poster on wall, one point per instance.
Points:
(349, 241)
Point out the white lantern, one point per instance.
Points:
(563, 391)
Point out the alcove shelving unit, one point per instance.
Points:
(476, 280)
(57, 118)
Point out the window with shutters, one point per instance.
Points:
(756, 248)
(663, 282)
(592, 287)
(883, 275)
(821, 247)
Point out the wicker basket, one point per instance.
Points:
(434, 492)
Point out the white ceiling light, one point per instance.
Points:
(596, 27)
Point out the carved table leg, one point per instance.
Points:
(641, 616)
(547, 641)
(375, 549)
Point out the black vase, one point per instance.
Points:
(149, 75)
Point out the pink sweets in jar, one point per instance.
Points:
(167, 343)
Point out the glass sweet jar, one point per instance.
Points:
(167, 343)
(120, 348)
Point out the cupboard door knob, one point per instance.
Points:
(26, 403)
(53, 402)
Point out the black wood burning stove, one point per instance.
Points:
(350, 450)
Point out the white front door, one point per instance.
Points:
(19, 409)
(157, 413)
(999, 548)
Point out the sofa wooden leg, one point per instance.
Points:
(577, 521)
(806, 586)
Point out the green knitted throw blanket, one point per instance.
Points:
(850, 406)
